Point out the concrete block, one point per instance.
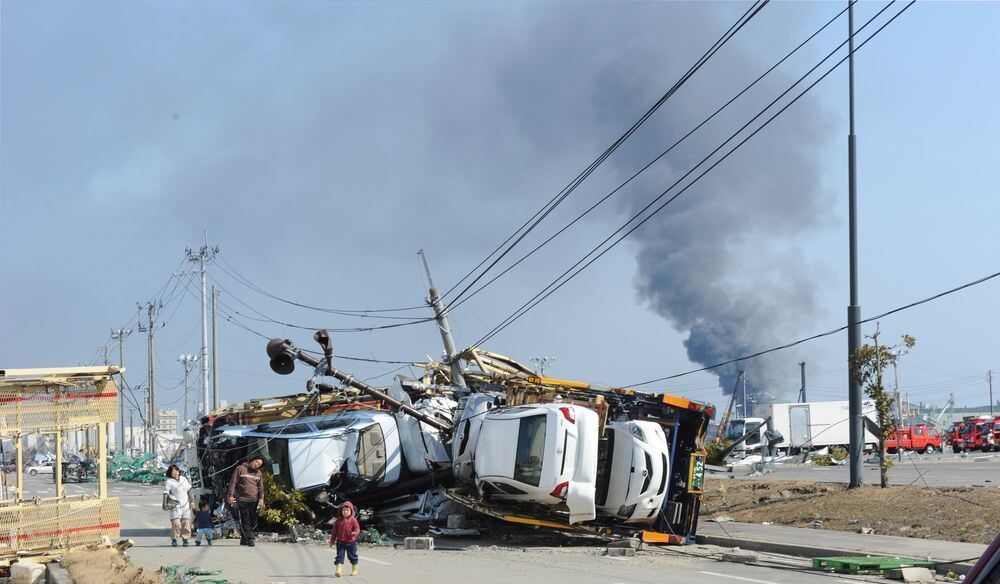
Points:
(740, 557)
(628, 542)
(911, 575)
(57, 574)
(418, 543)
(621, 552)
(27, 573)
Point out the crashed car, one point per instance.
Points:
(553, 461)
(634, 466)
(309, 453)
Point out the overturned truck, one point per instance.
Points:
(504, 441)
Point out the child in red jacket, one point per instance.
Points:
(345, 535)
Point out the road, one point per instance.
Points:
(935, 470)
(467, 560)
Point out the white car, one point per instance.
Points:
(35, 468)
(540, 453)
(634, 466)
(306, 452)
(471, 410)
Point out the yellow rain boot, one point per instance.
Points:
(340, 570)
(354, 570)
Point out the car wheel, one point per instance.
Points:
(32, 472)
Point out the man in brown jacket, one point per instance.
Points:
(246, 497)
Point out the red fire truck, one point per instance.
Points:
(978, 434)
(921, 438)
(955, 436)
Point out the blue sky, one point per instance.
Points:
(321, 144)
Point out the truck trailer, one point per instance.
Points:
(803, 427)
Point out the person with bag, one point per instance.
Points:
(176, 500)
(246, 497)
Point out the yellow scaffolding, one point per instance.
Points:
(55, 401)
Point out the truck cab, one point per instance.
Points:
(738, 427)
(979, 435)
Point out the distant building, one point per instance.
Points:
(167, 421)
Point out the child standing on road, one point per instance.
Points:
(345, 535)
(203, 524)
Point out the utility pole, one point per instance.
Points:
(215, 354)
(989, 380)
(120, 335)
(131, 432)
(110, 427)
(188, 362)
(899, 410)
(802, 390)
(150, 329)
(745, 413)
(853, 310)
(202, 256)
(440, 314)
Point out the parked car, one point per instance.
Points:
(633, 467)
(553, 461)
(35, 468)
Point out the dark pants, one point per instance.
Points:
(351, 547)
(246, 518)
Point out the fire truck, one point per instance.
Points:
(954, 435)
(921, 438)
(977, 434)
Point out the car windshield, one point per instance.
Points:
(735, 430)
(530, 450)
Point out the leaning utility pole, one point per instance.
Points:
(854, 310)
(188, 362)
(202, 256)
(440, 314)
(215, 354)
(745, 413)
(120, 335)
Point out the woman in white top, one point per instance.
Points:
(176, 500)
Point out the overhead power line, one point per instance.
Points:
(820, 335)
(453, 305)
(232, 272)
(559, 281)
(561, 196)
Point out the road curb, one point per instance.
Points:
(807, 551)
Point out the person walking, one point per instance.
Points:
(203, 524)
(246, 497)
(176, 500)
(345, 536)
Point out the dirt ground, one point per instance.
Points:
(105, 567)
(966, 514)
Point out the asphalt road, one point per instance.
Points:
(470, 560)
(936, 470)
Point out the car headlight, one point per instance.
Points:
(637, 432)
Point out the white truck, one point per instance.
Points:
(803, 427)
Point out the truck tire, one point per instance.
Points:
(32, 472)
(929, 449)
(957, 449)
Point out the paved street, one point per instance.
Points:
(145, 523)
(936, 470)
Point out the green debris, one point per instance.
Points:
(144, 469)
(873, 565)
(371, 535)
(179, 574)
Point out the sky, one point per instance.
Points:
(319, 145)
